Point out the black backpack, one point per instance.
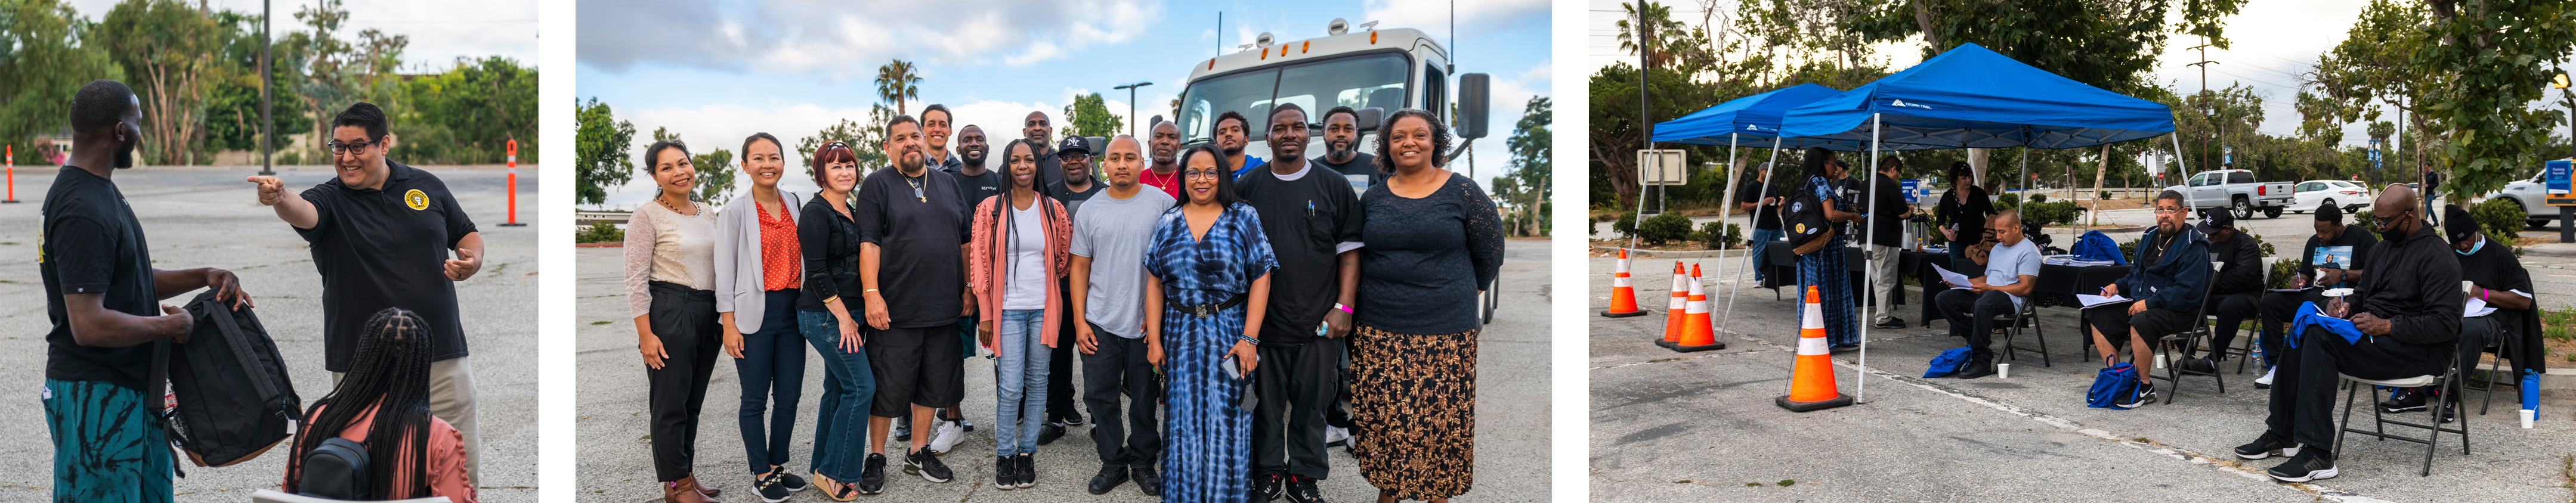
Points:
(1804, 218)
(337, 469)
(235, 401)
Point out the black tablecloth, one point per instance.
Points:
(1780, 268)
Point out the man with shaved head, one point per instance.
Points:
(2012, 269)
(1109, 241)
(1165, 173)
(2403, 317)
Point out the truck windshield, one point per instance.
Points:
(1370, 80)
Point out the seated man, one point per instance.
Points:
(2498, 306)
(2407, 316)
(2011, 271)
(2325, 262)
(2165, 279)
(2232, 297)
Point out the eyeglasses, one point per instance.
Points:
(2168, 211)
(343, 148)
(1210, 174)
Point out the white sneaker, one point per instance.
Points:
(949, 434)
(1335, 435)
(2266, 380)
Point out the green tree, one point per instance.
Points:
(1526, 178)
(1088, 115)
(170, 48)
(866, 140)
(44, 60)
(600, 161)
(2496, 57)
(468, 114)
(897, 81)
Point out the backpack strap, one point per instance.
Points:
(156, 383)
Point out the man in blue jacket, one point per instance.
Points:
(2166, 278)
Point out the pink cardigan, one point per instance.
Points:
(447, 476)
(985, 256)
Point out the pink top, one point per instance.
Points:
(447, 476)
(985, 255)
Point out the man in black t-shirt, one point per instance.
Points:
(380, 233)
(100, 396)
(912, 266)
(1313, 223)
(1886, 236)
(2328, 261)
(1761, 198)
(1040, 133)
(1342, 149)
(1074, 156)
(975, 183)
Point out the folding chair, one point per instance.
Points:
(2244, 350)
(2442, 404)
(2200, 332)
(2504, 346)
(2025, 317)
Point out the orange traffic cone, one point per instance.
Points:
(1623, 296)
(1696, 326)
(1673, 308)
(1811, 382)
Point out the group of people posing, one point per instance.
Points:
(2395, 300)
(1226, 288)
(389, 241)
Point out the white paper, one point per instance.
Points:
(2478, 307)
(1957, 281)
(2096, 300)
(2289, 289)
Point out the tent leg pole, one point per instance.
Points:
(1860, 388)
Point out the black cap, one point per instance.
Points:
(2212, 219)
(1072, 143)
(2457, 223)
(2329, 213)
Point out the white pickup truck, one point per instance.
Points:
(2236, 190)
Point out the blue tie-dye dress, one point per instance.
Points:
(1208, 440)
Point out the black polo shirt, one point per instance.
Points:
(386, 247)
(919, 234)
(92, 244)
(1306, 220)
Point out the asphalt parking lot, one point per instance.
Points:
(1701, 427)
(209, 217)
(615, 463)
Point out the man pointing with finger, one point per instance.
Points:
(380, 233)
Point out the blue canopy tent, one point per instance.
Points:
(1971, 97)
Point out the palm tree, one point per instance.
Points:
(1666, 31)
(897, 81)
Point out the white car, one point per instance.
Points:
(2310, 194)
(2529, 193)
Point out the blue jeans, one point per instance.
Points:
(772, 367)
(849, 387)
(1761, 242)
(1022, 374)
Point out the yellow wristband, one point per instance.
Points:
(831, 299)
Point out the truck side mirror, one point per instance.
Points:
(1368, 119)
(1474, 90)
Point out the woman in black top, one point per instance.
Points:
(1433, 245)
(1961, 214)
(824, 314)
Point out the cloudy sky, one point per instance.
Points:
(716, 71)
(2272, 41)
(440, 31)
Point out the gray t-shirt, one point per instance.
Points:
(1114, 233)
(2007, 263)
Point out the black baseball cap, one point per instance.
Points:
(2212, 219)
(1073, 143)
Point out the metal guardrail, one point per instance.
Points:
(589, 217)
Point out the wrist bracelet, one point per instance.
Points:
(871, 290)
(831, 299)
(1247, 338)
(1345, 309)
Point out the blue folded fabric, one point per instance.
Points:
(2309, 314)
(1947, 363)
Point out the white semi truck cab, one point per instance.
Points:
(1374, 71)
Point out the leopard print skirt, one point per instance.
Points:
(1413, 400)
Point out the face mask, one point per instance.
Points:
(2391, 233)
(2473, 249)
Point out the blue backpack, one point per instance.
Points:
(2096, 246)
(2115, 384)
(1947, 363)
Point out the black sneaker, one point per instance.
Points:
(2310, 465)
(1976, 368)
(1302, 490)
(926, 465)
(872, 474)
(2146, 394)
(1266, 487)
(1110, 477)
(902, 429)
(2201, 365)
(792, 482)
(1146, 480)
(2404, 400)
(768, 487)
(1005, 476)
(1071, 419)
(1891, 323)
(1844, 348)
(2265, 447)
(1048, 433)
(1026, 469)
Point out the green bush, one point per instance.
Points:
(1719, 235)
(2038, 198)
(2281, 273)
(601, 232)
(2364, 219)
(2007, 201)
(1626, 226)
(2104, 195)
(1664, 228)
(2500, 217)
(2047, 214)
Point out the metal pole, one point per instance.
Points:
(267, 145)
(1727, 201)
(1860, 392)
(2193, 196)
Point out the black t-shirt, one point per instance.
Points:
(1885, 228)
(918, 232)
(1073, 199)
(1305, 219)
(1764, 216)
(974, 189)
(386, 247)
(92, 244)
(1362, 166)
(1968, 214)
(2347, 251)
(2494, 267)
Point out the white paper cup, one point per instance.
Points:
(2528, 416)
(2160, 362)
(2004, 371)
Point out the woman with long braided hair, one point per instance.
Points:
(387, 396)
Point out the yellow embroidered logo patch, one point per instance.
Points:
(416, 199)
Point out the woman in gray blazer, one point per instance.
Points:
(759, 267)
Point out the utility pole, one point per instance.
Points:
(266, 143)
(1131, 104)
(2207, 109)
